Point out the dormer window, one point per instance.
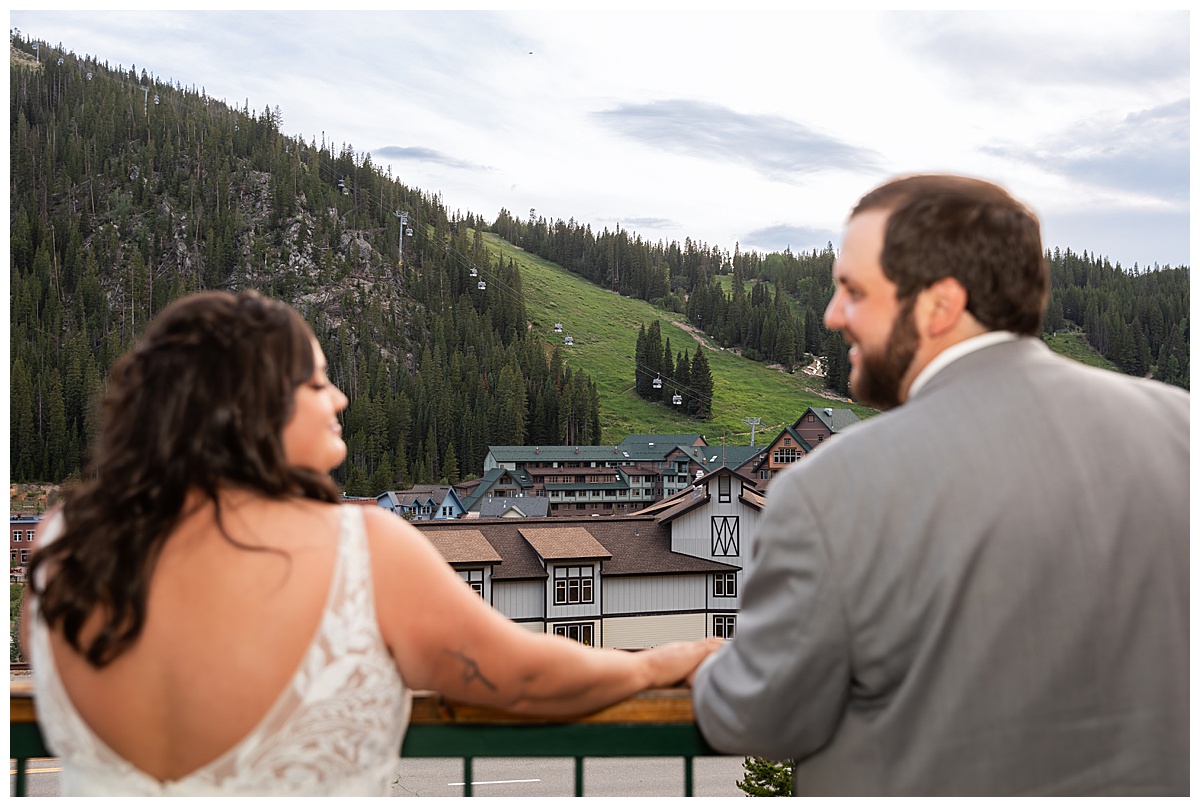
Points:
(572, 585)
(474, 579)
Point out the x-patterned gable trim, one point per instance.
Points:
(725, 536)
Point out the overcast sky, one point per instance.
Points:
(759, 128)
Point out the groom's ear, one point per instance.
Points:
(941, 307)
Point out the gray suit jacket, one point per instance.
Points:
(984, 591)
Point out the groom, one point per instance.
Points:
(984, 591)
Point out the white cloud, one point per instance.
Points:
(752, 126)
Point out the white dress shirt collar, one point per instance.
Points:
(957, 351)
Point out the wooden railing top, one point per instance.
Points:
(673, 705)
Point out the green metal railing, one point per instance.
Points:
(657, 723)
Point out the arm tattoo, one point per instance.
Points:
(471, 670)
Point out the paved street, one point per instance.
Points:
(630, 776)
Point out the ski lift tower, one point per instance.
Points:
(752, 423)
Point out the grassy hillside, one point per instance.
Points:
(1074, 346)
(605, 325)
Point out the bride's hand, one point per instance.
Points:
(671, 663)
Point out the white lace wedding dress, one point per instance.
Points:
(336, 728)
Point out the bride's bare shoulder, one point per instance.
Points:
(381, 523)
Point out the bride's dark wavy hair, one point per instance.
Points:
(199, 404)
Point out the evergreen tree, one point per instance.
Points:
(383, 479)
(762, 777)
(643, 376)
(666, 370)
(701, 399)
(450, 472)
(22, 430)
(357, 483)
(837, 364)
(654, 348)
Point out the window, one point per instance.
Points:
(474, 578)
(29, 535)
(13, 558)
(810, 417)
(725, 584)
(723, 489)
(579, 631)
(724, 626)
(572, 585)
(16, 535)
(24, 556)
(783, 456)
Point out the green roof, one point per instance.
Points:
(834, 419)
(554, 453)
(641, 441)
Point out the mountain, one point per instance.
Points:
(128, 192)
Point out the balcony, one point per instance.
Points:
(657, 723)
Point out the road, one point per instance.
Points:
(628, 776)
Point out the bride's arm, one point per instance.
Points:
(444, 637)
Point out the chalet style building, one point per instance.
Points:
(423, 502)
(20, 544)
(602, 480)
(672, 571)
(797, 441)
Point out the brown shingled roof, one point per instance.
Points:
(642, 546)
(754, 498)
(628, 545)
(560, 543)
(463, 546)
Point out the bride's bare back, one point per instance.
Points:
(225, 630)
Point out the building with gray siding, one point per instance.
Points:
(670, 571)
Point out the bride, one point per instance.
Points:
(205, 618)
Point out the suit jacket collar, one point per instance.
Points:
(955, 352)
